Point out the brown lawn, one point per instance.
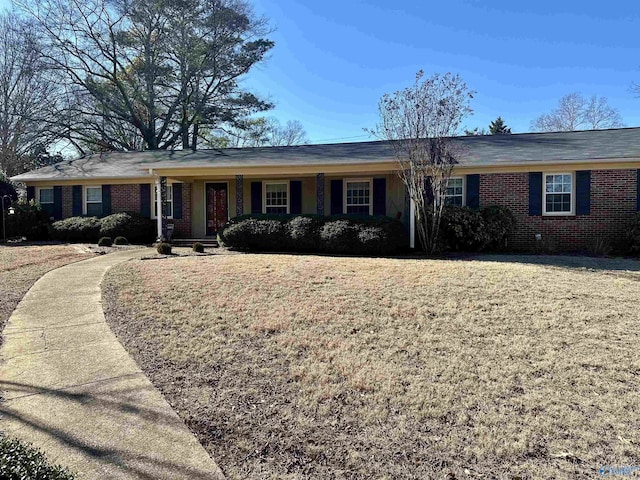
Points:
(295, 367)
(22, 265)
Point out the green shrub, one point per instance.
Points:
(198, 247)
(499, 223)
(255, 234)
(20, 461)
(120, 241)
(462, 230)
(76, 229)
(134, 227)
(28, 220)
(632, 234)
(164, 248)
(315, 233)
(339, 236)
(105, 242)
(471, 230)
(303, 233)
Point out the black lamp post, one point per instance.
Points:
(4, 223)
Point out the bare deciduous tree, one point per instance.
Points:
(26, 97)
(157, 69)
(575, 112)
(419, 123)
(258, 132)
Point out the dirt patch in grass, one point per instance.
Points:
(22, 265)
(321, 367)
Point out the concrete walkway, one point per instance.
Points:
(70, 388)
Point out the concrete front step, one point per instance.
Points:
(187, 242)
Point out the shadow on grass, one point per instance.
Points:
(618, 264)
(112, 405)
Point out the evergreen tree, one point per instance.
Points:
(498, 127)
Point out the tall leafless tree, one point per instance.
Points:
(27, 96)
(419, 123)
(150, 73)
(575, 112)
(258, 132)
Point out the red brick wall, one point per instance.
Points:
(67, 201)
(125, 198)
(613, 202)
(182, 227)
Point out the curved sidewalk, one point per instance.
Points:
(70, 387)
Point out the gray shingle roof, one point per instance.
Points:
(478, 150)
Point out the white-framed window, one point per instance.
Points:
(45, 199)
(168, 205)
(93, 201)
(276, 197)
(357, 196)
(454, 194)
(558, 194)
(45, 196)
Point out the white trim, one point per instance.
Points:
(155, 188)
(205, 200)
(39, 189)
(84, 197)
(153, 201)
(354, 180)
(572, 193)
(264, 194)
(464, 188)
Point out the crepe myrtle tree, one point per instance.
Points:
(420, 122)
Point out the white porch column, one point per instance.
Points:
(412, 224)
(158, 197)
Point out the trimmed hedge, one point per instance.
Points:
(464, 229)
(105, 242)
(315, 233)
(132, 226)
(120, 241)
(20, 461)
(76, 229)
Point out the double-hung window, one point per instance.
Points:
(558, 194)
(168, 209)
(454, 194)
(357, 197)
(276, 197)
(45, 199)
(93, 201)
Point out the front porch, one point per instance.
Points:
(209, 201)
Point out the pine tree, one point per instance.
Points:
(498, 127)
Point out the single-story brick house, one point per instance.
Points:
(569, 188)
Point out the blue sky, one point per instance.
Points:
(334, 60)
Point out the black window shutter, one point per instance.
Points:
(583, 192)
(379, 196)
(106, 200)
(177, 201)
(473, 191)
(31, 193)
(145, 200)
(638, 189)
(57, 203)
(336, 197)
(295, 189)
(76, 200)
(535, 193)
(256, 197)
